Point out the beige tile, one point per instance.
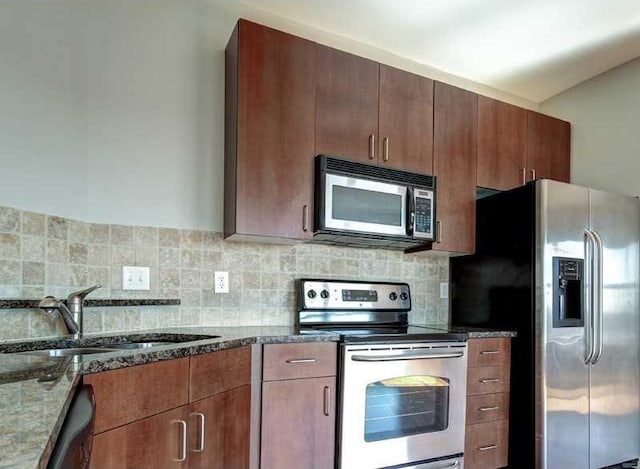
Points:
(169, 278)
(132, 320)
(271, 261)
(207, 279)
(304, 264)
(33, 273)
(99, 276)
(57, 274)
(211, 299)
(33, 248)
(122, 255)
(287, 263)
(9, 220)
(190, 316)
(78, 253)
(232, 299)
(113, 320)
(121, 235)
(98, 233)
(78, 231)
(98, 255)
(149, 318)
(169, 237)
(212, 317)
(10, 272)
(212, 241)
(147, 256)
(191, 258)
(92, 321)
(251, 261)
(191, 239)
(57, 250)
(191, 278)
(250, 281)
(212, 260)
(9, 291)
(78, 275)
(31, 291)
(57, 228)
(9, 246)
(169, 258)
(146, 236)
(33, 223)
(338, 267)
(268, 281)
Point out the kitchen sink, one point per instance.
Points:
(137, 345)
(68, 352)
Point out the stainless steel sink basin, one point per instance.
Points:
(136, 345)
(68, 352)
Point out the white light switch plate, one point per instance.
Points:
(135, 278)
(221, 282)
(444, 290)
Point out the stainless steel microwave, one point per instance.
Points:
(372, 206)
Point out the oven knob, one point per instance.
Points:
(324, 294)
(311, 294)
(393, 296)
(403, 296)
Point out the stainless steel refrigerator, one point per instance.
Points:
(561, 264)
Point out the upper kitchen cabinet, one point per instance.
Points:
(346, 116)
(405, 120)
(454, 164)
(548, 147)
(502, 139)
(373, 113)
(269, 134)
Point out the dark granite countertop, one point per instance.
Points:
(474, 332)
(36, 391)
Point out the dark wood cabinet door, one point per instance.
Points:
(269, 174)
(406, 121)
(548, 147)
(454, 164)
(296, 430)
(502, 137)
(154, 442)
(219, 430)
(346, 105)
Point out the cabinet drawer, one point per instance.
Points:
(129, 394)
(487, 379)
(486, 445)
(489, 352)
(487, 407)
(217, 372)
(288, 361)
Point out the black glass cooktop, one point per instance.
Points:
(386, 333)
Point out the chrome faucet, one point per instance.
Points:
(72, 315)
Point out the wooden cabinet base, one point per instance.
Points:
(486, 445)
(156, 442)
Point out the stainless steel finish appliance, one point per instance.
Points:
(560, 263)
(402, 387)
(373, 206)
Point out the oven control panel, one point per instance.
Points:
(354, 296)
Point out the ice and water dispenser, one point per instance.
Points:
(568, 291)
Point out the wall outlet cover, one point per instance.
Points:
(444, 290)
(135, 278)
(221, 282)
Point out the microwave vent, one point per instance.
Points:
(377, 172)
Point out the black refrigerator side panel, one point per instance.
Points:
(495, 288)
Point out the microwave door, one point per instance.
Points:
(364, 206)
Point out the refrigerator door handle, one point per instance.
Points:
(589, 248)
(597, 303)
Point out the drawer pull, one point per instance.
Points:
(489, 352)
(490, 380)
(302, 360)
(487, 409)
(487, 448)
(183, 438)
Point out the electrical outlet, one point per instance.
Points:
(135, 278)
(221, 282)
(444, 290)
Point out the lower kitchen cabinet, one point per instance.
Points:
(487, 423)
(298, 413)
(159, 441)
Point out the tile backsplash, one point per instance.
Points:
(48, 255)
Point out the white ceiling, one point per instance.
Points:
(533, 49)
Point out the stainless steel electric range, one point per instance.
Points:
(402, 387)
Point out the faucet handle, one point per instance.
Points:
(76, 298)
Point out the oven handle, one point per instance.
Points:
(430, 465)
(420, 355)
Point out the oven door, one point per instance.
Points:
(364, 206)
(402, 403)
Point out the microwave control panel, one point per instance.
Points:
(423, 216)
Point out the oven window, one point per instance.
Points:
(366, 206)
(404, 406)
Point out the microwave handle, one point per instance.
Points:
(411, 211)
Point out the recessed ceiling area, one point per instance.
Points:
(531, 49)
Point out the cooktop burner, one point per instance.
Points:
(363, 312)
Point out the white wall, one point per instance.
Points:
(605, 141)
(112, 111)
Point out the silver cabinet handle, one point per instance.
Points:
(523, 172)
(305, 218)
(200, 447)
(487, 448)
(302, 360)
(533, 174)
(589, 248)
(420, 355)
(487, 409)
(183, 455)
(490, 380)
(372, 146)
(438, 231)
(327, 400)
(385, 149)
(490, 352)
